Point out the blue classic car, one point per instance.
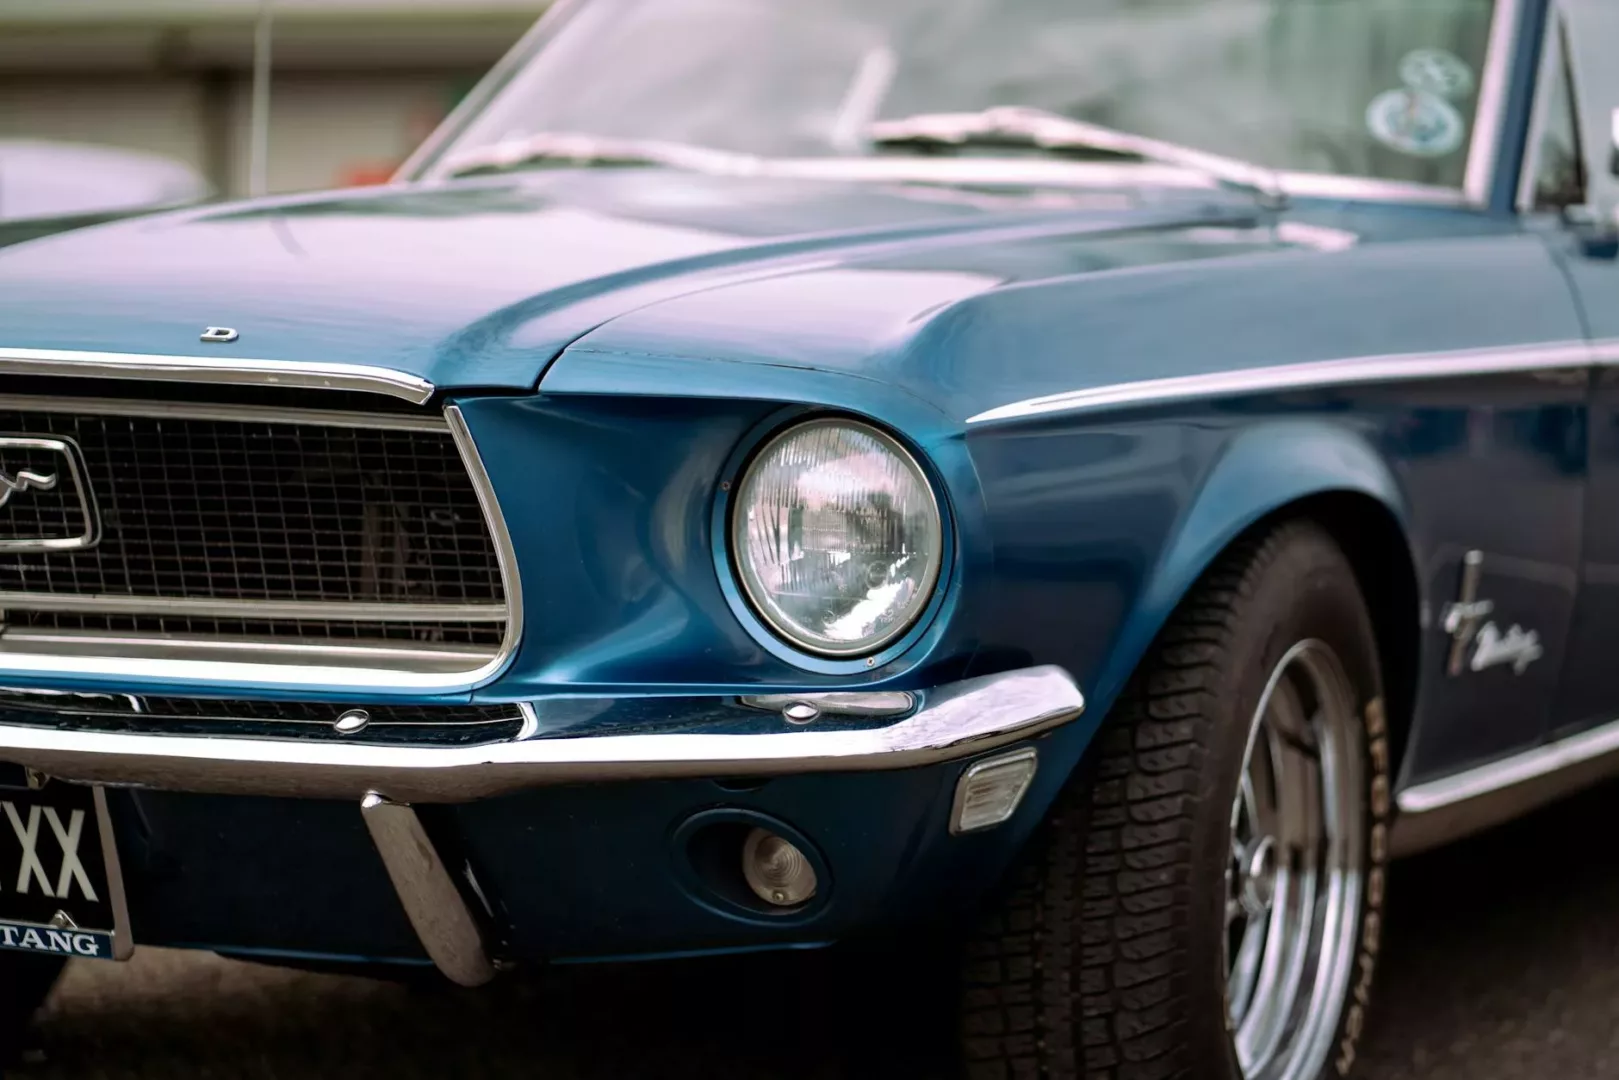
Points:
(1088, 482)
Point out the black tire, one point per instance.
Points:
(1106, 957)
(25, 982)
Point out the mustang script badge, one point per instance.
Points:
(1518, 647)
(1470, 628)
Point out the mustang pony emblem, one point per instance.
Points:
(27, 478)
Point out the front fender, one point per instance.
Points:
(1261, 471)
(1102, 527)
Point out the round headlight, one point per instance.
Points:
(837, 537)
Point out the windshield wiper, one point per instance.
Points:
(576, 148)
(1019, 125)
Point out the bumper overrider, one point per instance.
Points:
(987, 719)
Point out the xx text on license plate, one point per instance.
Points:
(60, 891)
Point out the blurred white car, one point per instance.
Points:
(48, 187)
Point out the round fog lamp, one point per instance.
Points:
(777, 872)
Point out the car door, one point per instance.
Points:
(1571, 190)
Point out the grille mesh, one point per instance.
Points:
(324, 712)
(403, 724)
(249, 509)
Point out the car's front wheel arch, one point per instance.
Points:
(1114, 947)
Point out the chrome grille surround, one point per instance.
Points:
(445, 619)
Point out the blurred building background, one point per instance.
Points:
(356, 83)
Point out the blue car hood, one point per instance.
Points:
(482, 283)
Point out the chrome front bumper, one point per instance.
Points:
(859, 732)
(943, 723)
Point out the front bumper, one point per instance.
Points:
(943, 723)
(528, 820)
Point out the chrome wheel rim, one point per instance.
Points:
(1295, 875)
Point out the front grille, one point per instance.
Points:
(235, 508)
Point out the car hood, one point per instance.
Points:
(482, 283)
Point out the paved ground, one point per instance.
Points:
(1503, 962)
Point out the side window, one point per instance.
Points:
(1559, 178)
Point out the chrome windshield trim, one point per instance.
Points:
(72, 363)
(1086, 175)
(252, 610)
(1548, 66)
(1489, 114)
(955, 721)
(182, 410)
(1400, 367)
(1437, 811)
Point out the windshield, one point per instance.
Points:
(1371, 88)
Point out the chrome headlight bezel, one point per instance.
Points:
(928, 591)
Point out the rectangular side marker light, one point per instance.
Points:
(990, 790)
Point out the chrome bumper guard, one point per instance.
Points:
(940, 724)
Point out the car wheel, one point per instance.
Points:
(1207, 894)
(25, 982)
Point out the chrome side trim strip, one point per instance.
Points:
(203, 608)
(187, 411)
(1402, 367)
(1489, 115)
(955, 721)
(443, 922)
(72, 363)
(1438, 811)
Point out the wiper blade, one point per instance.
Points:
(1024, 126)
(584, 149)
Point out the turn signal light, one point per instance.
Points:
(989, 792)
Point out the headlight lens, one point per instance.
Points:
(837, 537)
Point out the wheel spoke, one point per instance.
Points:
(1287, 718)
(1245, 973)
(1259, 788)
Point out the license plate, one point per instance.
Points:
(60, 889)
